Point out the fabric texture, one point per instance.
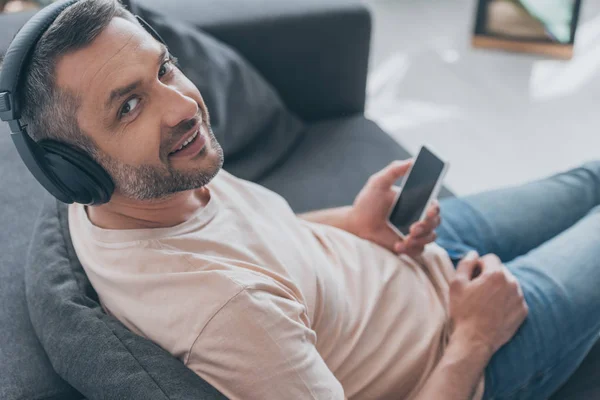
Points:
(244, 283)
(91, 350)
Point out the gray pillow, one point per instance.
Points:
(248, 117)
(92, 351)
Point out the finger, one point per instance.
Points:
(390, 174)
(513, 279)
(400, 247)
(415, 251)
(425, 227)
(491, 259)
(490, 263)
(418, 229)
(422, 241)
(433, 210)
(509, 275)
(467, 266)
(387, 238)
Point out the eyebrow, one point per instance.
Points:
(123, 91)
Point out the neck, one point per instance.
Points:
(124, 213)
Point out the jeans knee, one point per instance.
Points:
(592, 168)
(595, 210)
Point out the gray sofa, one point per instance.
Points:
(315, 54)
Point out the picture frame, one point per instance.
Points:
(546, 27)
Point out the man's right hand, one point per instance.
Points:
(486, 303)
(487, 308)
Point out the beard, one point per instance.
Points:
(152, 182)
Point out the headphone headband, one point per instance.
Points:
(18, 54)
(67, 173)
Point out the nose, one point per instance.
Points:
(177, 107)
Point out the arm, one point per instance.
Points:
(260, 346)
(337, 217)
(458, 372)
(367, 217)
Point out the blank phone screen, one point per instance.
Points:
(416, 190)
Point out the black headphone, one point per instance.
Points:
(67, 173)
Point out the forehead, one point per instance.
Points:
(111, 59)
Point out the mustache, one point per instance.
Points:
(179, 131)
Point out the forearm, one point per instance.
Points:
(458, 373)
(337, 217)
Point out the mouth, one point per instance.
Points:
(189, 145)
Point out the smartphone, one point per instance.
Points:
(420, 187)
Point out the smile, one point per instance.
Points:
(191, 146)
(187, 142)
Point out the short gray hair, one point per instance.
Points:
(51, 112)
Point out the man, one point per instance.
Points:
(264, 304)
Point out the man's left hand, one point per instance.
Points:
(368, 215)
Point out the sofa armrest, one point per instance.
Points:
(314, 52)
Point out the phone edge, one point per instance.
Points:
(434, 193)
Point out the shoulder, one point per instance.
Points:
(231, 185)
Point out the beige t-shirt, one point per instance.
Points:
(264, 305)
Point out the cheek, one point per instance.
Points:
(136, 143)
(140, 143)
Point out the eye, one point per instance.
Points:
(129, 106)
(164, 68)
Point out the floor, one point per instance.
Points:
(499, 118)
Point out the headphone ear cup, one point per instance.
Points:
(78, 173)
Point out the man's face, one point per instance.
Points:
(139, 109)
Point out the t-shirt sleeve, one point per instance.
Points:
(258, 346)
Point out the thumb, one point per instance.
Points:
(468, 266)
(386, 177)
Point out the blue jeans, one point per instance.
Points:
(547, 233)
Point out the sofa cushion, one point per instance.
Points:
(91, 350)
(248, 118)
